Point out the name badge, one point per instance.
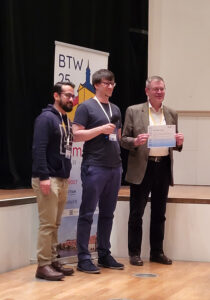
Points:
(113, 137)
(68, 154)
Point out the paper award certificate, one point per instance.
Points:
(161, 136)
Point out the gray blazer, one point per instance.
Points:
(136, 122)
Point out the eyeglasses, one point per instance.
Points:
(158, 89)
(68, 95)
(113, 84)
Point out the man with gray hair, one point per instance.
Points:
(149, 170)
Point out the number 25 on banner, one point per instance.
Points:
(64, 77)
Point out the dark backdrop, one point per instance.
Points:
(28, 31)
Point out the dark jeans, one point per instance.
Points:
(100, 186)
(156, 180)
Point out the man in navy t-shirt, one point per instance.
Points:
(98, 123)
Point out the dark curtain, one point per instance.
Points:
(28, 31)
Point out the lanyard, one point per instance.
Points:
(110, 109)
(64, 126)
(153, 121)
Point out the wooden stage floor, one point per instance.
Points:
(180, 281)
(18, 193)
(177, 194)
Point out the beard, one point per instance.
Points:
(67, 107)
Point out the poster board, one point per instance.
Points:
(76, 64)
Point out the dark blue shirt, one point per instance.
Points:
(49, 145)
(99, 151)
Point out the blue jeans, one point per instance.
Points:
(100, 186)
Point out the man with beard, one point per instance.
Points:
(51, 153)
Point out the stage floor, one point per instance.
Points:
(177, 194)
(180, 281)
(195, 194)
(19, 193)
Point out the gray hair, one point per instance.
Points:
(153, 78)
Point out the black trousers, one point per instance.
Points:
(157, 181)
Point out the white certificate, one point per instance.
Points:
(161, 136)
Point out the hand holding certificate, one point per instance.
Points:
(161, 136)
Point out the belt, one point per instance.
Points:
(157, 158)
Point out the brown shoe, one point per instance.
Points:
(47, 272)
(161, 258)
(136, 260)
(60, 268)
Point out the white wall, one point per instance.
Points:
(179, 47)
(186, 235)
(192, 165)
(19, 226)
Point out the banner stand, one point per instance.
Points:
(76, 64)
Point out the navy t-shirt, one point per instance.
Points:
(99, 151)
